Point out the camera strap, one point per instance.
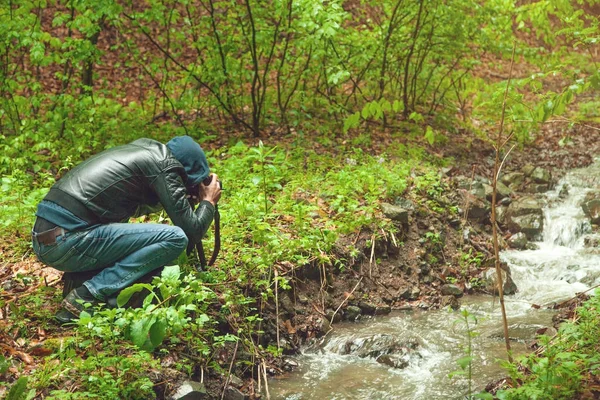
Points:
(200, 248)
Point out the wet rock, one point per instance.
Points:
(505, 201)
(455, 222)
(478, 190)
(352, 313)
(375, 346)
(395, 213)
(451, 290)
(518, 241)
(525, 215)
(513, 180)
(236, 381)
(501, 215)
(289, 364)
(232, 393)
(383, 309)
(502, 191)
(450, 301)
(404, 203)
(488, 278)
(531, 246)
(415, 292)
(393, 361)
(403, 293)
(424, 268)
(479, 209)
(286, 304)
(367, 308)
(537, 188)
(190, 390)
(564, 191)
(591, 207)
(528, 169)
(330, 314)
(541, 175)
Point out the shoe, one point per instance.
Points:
(78, 300)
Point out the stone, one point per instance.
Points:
(528, 169)
(367, 308)
(564, 191)
(395, 213)
(302, 299)
(541, 175)
(415, 292)
(518, 241)
(505, 201)
(337, 317)
(489, 281)
(190, 390)
(513, 180)
(525, 215)
(531, 246)
(479, 190)
(232, 393)
(450, 301)
(404, 203)
(502, 191)
(591, 207)
(451, 290)
(383, 310)
(479, 209)
(403, 293)
(393, 361)
(352, 313)
(236, 381)
(501, 215)
(537, 188)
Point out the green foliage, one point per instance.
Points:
(560, 370)
(172, 305)
(465, 363)
(18, 390)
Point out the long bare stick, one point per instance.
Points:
(497, 166)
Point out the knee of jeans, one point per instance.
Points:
(179, 238)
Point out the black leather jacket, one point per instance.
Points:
(132, 180)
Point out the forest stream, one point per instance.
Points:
(410, 354)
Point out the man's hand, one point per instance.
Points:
(210, 192)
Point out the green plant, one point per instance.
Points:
(560, 369)
(465, 363)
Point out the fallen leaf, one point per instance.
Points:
(288, 325)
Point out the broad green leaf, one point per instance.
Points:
(464, 362)
(366, 111)
(140, 328)
(430, 135)
(158, 331)
(171, 272)
(126, 293)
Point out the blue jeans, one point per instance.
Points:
(122, 253)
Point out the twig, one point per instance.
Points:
(230, 368)
(277, 306)
(265, 379)
(342, 303)
(497, 169)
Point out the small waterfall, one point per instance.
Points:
(563, 265)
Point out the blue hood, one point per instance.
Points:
(191, 156)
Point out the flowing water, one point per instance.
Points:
(351, 362)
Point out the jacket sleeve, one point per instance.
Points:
(172, 194)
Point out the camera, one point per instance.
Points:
(209, 179)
